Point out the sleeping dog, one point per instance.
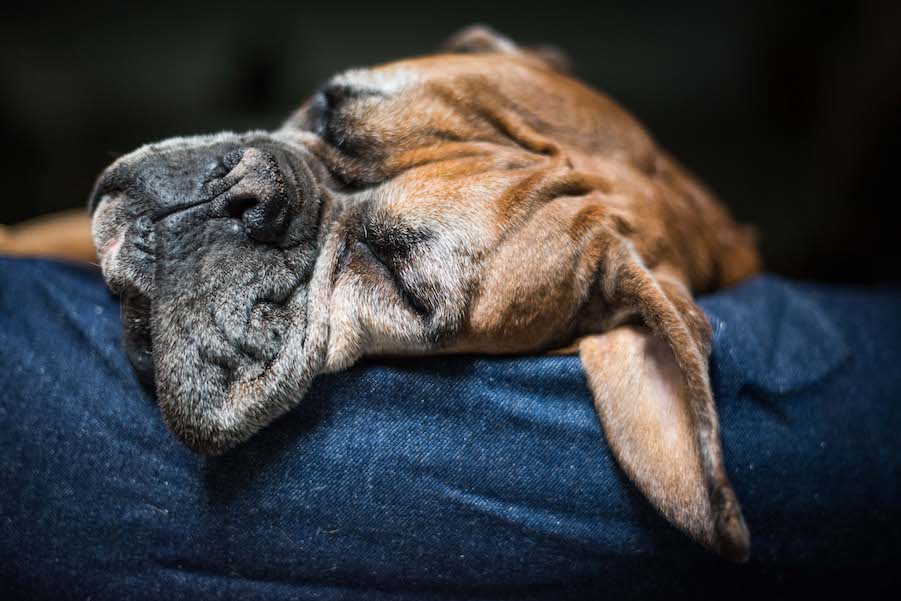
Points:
(479, 200)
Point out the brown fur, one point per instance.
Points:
(584, 225)
(569, 229)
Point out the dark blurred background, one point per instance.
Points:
(789, 110)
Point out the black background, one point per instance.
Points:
(790, 111)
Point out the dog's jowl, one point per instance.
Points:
(475, 200)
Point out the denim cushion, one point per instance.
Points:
(443, 478)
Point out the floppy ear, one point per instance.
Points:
(652, 391)
(480, 38)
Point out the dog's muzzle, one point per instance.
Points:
(211, 244)
(259, 186)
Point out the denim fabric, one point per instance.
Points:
(443, 478)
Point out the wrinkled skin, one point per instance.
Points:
(478, 200)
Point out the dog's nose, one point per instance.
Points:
(253, 184)
(258, 192)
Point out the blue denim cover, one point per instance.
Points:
(443, 478)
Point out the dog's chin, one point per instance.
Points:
(217, 324)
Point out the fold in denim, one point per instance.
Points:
(444, 477)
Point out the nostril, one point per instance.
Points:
(258, 193)
(264, 220)
(236, 206)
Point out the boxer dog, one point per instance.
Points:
(479, 200)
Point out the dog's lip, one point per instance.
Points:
(169, 211)
(112, 246)
(108, 252)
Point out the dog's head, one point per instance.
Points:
(478, 200)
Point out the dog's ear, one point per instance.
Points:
(480, 38)
(652, 391)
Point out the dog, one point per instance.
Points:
(478, 200)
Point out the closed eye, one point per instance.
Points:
(320, 113)
(325, 111)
